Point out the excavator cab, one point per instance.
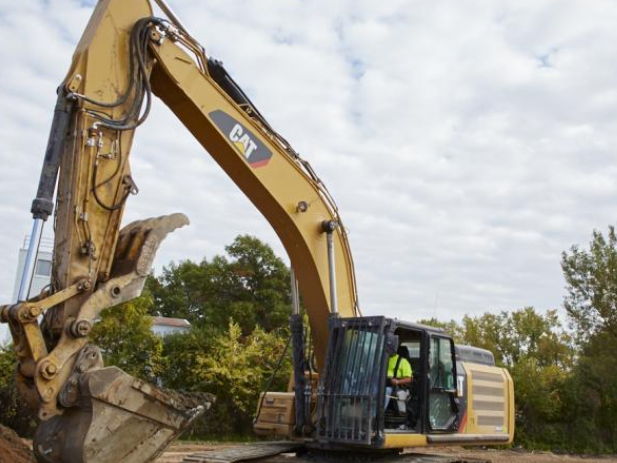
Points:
(352, 395)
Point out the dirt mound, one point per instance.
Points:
(13, 449)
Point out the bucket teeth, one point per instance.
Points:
(118, 419)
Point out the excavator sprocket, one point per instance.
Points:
(118, 419)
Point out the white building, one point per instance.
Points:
(164, 326)
(41, 278)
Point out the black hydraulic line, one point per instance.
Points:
(220, 75)
(308, 395)
(113, 207)
(139, 81)
(299, 368)
(43, 204)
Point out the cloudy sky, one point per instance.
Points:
(466, 143)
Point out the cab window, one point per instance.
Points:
(443, 407)
(441, 365)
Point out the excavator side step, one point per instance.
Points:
(243, 453)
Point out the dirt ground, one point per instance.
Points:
(177, 452)
(13, 449)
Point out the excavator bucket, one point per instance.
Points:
(118, 419)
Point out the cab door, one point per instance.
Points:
(351, 389)
(442, 400)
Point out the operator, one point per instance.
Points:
(400, 372)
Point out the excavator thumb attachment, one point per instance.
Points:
(107, 415)
(118, 419)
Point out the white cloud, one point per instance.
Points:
(467, 143)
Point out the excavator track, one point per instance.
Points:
(261, 451)
(243, 453)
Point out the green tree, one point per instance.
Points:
(16, 414)
(541, 337)
(517, 335)
(263, 283)
(452, 327)
(180, 353)
(230, 365)
(249, 285)
(124, 334)
(591, 277)
(489, 332)
(591, 303)
(540, 399)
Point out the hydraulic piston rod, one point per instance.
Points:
(329, 226)
(30, 262)
(295, 298)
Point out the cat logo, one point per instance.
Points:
(242, 141)
(245, 142)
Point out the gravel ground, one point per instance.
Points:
(177, 452)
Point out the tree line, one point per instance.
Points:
(238, 305)
(565, 379)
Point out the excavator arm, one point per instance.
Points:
(123, 58)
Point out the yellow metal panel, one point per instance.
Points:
(399, 441)
(511, 410)
(490, 410)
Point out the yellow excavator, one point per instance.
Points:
(90, 413)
